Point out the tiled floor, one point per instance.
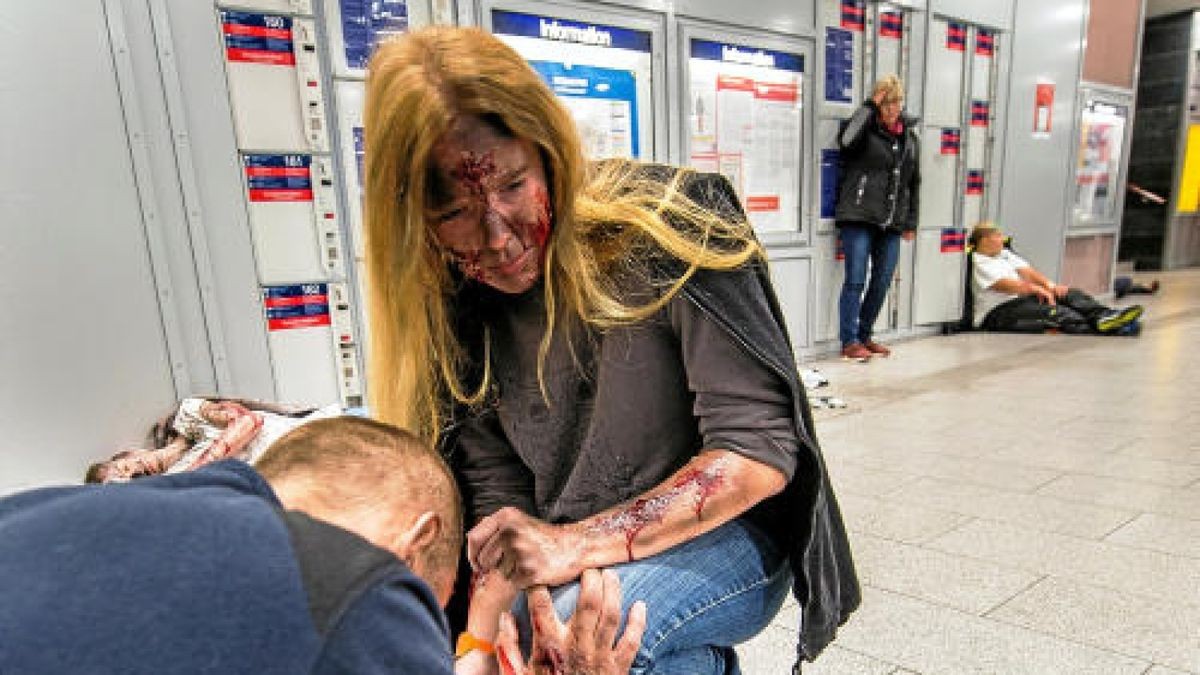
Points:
(1019, 503)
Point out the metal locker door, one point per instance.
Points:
(979, 121)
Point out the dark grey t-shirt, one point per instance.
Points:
(629, 407)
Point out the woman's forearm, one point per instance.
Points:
(712, 489)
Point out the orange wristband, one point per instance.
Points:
(468, 642)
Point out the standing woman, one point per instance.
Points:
(877, 206)
(597, 350)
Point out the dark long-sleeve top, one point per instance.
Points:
(629, 407)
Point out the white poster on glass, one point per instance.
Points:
(745, 122)
(602, 73)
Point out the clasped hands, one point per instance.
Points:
(525, 550)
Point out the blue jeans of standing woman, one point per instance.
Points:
(702, 597)
(858, 311)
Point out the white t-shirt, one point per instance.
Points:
(988, 269)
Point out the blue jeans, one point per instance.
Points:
(702, 597)
(857, 313)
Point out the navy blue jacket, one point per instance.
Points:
(197, 573)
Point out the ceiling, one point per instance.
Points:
(1160, 7)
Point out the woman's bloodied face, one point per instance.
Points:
(489, 205)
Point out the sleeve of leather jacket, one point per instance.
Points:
(914, 194)
(493, 473)
(854, 134)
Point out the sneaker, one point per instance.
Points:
(856, 352)
(1114, 319)
(877, 349)
(1131, 329)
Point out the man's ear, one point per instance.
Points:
(412, 544)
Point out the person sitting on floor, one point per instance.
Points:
(1010, 295)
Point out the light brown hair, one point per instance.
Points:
(354, 463)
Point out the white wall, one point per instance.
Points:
(1047, 45)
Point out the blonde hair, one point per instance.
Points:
(980, 231)
(417, 87)
(891, 86)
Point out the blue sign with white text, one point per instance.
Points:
(839, 65)
(563, 30)
(731, 53)
(594, 82)
(829, 182)
(366, 23)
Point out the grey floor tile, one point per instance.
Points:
(1178, 536)
(1034, 511)
(1109, 463)
(1147, 574)
(1163, 670)
(773, 651)
(1166, 449)
(930, 639)
(959, 469)
(1163, 631)
(838, 661)
(959, 582)
(1127, 494)
(850, 476)
(910, 524)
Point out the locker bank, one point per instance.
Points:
(182, 185)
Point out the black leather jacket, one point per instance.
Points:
(880, 178)
(743, 303)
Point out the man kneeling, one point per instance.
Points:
(1010, 295)
(331, 555)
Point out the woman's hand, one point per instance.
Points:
(587, 644)
(525, 550)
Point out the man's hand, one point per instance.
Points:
(1059, 290)
(524, 549)
(588, 644)
(908, 235)
(1043, 294)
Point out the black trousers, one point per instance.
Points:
(1077, 312)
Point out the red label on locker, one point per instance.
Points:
(956, 36)
(291, 322)
(261, 56)
(854, 14)
(891, 24)
(761, 203)
(281, 195)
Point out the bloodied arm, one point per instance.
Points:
(715, 487)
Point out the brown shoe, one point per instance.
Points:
(877, 349)
(856, 352)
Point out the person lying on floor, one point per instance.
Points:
(331, 555)
(205, 430)
(1012, 296)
